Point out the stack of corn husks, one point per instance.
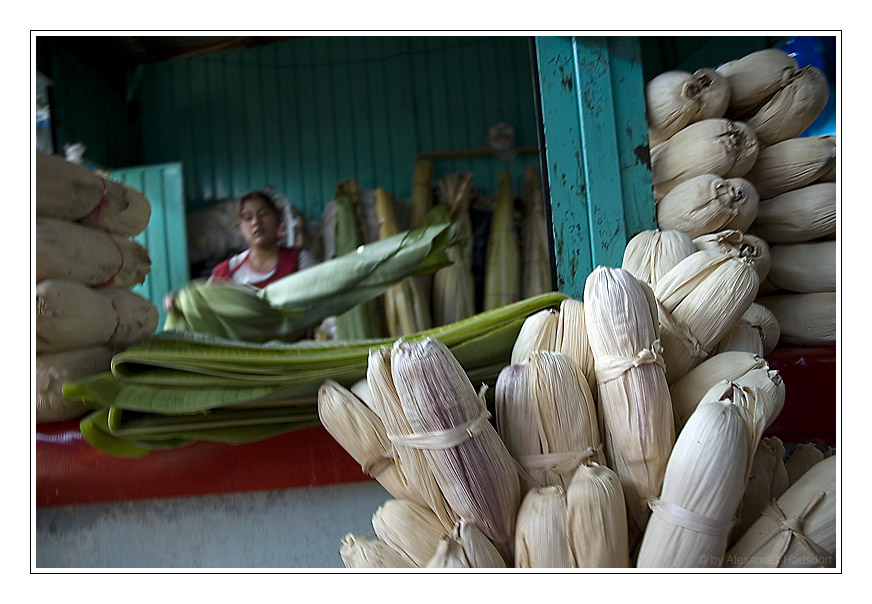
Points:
(86, 265)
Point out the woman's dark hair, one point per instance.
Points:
(263, 196)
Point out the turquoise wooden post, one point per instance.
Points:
(596, 149)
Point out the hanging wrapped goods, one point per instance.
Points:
(675, 99)
(804, 267)
(804, 319)
(502, 273)
(741, 245)
(596, 518)
(755, 78)
(454, 286)
(799, 215)
(756, 332)
(536, 267)
(708, 203)
(541, 535)
(53, 369)
(792, 164)
(651, 254)
(793, 108)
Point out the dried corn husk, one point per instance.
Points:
(572, 340)
(362, 552)
(804, 267)
(793, 108)
(77, 252)
(138, 317)
(796, 531)
(475, 472)
(634, 405)
(803, 458)
(412, 530)
(766, 482)
(76, 193)
(538, 332)
(741, 245)
(547, 419)
(804, 319)
(700, 299)
(466, 547)
(756, 77)
(502, 274)
(449, 554)
(422, 193)
(797, 216)
(53, 369)
(675, 98)
(454, 285)
(708, 203)
(541, 535)
(650, 254)
(596, 518)
(536, 269)
(756, 332)
(713, 146)
(770, 390)
(792, 164)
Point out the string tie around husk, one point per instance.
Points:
(680, 516)
(609, 368)
(793, 527)
(562, 462)
(444, 439)
(681, 332)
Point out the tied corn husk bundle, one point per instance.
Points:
(797, 216)
(756, 332)
(804, 319)
(742, 245)
(767, 481)
(541, 534)
(410, 529)
(651, 254)
(547, 418)
(755, 78)
(539, 332)
(699, 300)
(634, 405)
(675, 98)
(72, 315)
(502, 273)
(466, 547)
(76, 193)
(53, 369)
(798, 530)
(454, 285)
(536, 268)
(713, 146)
(572, 340)
(422, 193)
(363, 552)
(362, 434)
(792, 164)
(475, 472)
(704, 481)
(804, 457)
(596, 518)
(407, 308)
(804, 267)
(78, 252)
(793, 108)
(708, 203)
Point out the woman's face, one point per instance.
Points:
(259, 224)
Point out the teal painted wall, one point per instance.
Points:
(305, 114)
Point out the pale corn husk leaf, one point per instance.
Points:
(572, 340)
(53, 369)
(799, 530)
(454, 285)
(767, 470)
(713, 146)
(792, 164)
(804, 319)
(708, 203)
(536, 269)
(798, 216)
(410, 529)
(417, 473)
(362, 552)
(675, 98)
(422, 193)
(804, 267)
(475, 472)
(77, 252)
(596, 518)
(449, 554)
(502, 273)
(700, 299)
(541, 535)
(538, 332)
(742, 245)
(756, 331)
(651, 254)
(803, 458)
(756, 77)
(793, 108)
(770, 390)
(479, 551)
(634, 404)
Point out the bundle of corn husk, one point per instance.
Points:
(804, 319)
(547, 418)
(651, 254)
(699, 300)
(634, 404)
(798, 530)
(755, 78)
(799, 215)
(572, 340)
(454, 285)
(756, 331)
(596, 518)
(538, 332)
(449, 422)
(502, 273)
(793, 108)
(422, 194)
(363, 552)
(541, 533)
(53, 369)
(466, 547)
(803, 458)
(792, 164)
(767, 481)
(739, 244)
(713, 146)
(536, 268)
(410, 529)
(708, 203)
(804, 267)
(675, 99)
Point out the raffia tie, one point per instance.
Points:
(793, 527)
(609, 368)
(563, 462)
(443, 439)
(679, 516)
(681, 332)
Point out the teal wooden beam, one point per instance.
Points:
(592, 109)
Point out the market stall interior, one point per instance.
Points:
(606, 252)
